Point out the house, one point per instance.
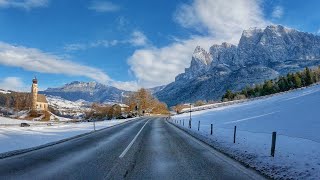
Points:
(120, 108)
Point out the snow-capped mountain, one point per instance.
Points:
(88, 91)
(261, 54)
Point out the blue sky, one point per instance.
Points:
(127, 44)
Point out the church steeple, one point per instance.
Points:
(34, 94)
(35, 80)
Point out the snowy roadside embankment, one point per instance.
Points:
(294, 116)
(15, 138)
(11, 121)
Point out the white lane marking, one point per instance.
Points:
(253, 117)
(131, 143)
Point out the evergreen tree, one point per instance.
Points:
(290, 80)
(228, 95)
(268, 88)
(258, 90)
(308, 77)
(283, 84)
(297, 80)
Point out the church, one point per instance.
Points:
(39, 101)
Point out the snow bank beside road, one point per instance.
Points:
(15, 138)
(294, 116)
(11, 121)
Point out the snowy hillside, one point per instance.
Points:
(68, 108)
(294, 116)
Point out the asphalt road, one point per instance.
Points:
(148, 148)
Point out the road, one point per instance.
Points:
(148, 148)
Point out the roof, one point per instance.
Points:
(42, 98)
(121, 105)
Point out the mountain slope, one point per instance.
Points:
(88, 91)
(261, 54)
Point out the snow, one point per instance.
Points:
(68, 108)
(293, 115)
(15, 138)
(4, 91)
(10, 121)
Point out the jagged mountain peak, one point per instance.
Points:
(262, 53)
(201, 56)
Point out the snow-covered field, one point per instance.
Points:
(15, 138)
(12, 121)
(295, 118)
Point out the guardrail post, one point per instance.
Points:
(234, 134)
(198, 125)
(94, 125)
(273, 144)
(211, 129)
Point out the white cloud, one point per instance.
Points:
(128, 86)
(103, 6)
(217, 20)
(158, 66)
(138, 39)
(12, 83)
(24, 4)
(220, 18)
(35, 60)
(75, 47)
(277, 12)
(95, 44)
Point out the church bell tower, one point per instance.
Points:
(34, 94)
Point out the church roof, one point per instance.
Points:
(42, 98)
(121, 105)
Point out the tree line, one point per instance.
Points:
(143, 102)
(16, 100)
(140, 103)
(283, 83)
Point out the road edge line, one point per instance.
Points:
(253, 173)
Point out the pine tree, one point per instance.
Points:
(268, 88)
(308, 77)
(228, 95)
(297, 80)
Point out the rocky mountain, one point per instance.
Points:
(88, 91)
(156, 89)
(261, 54)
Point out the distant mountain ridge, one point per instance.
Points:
(261, 54)
(92, 92)
(88, 91)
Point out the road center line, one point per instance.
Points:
(133, 140)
